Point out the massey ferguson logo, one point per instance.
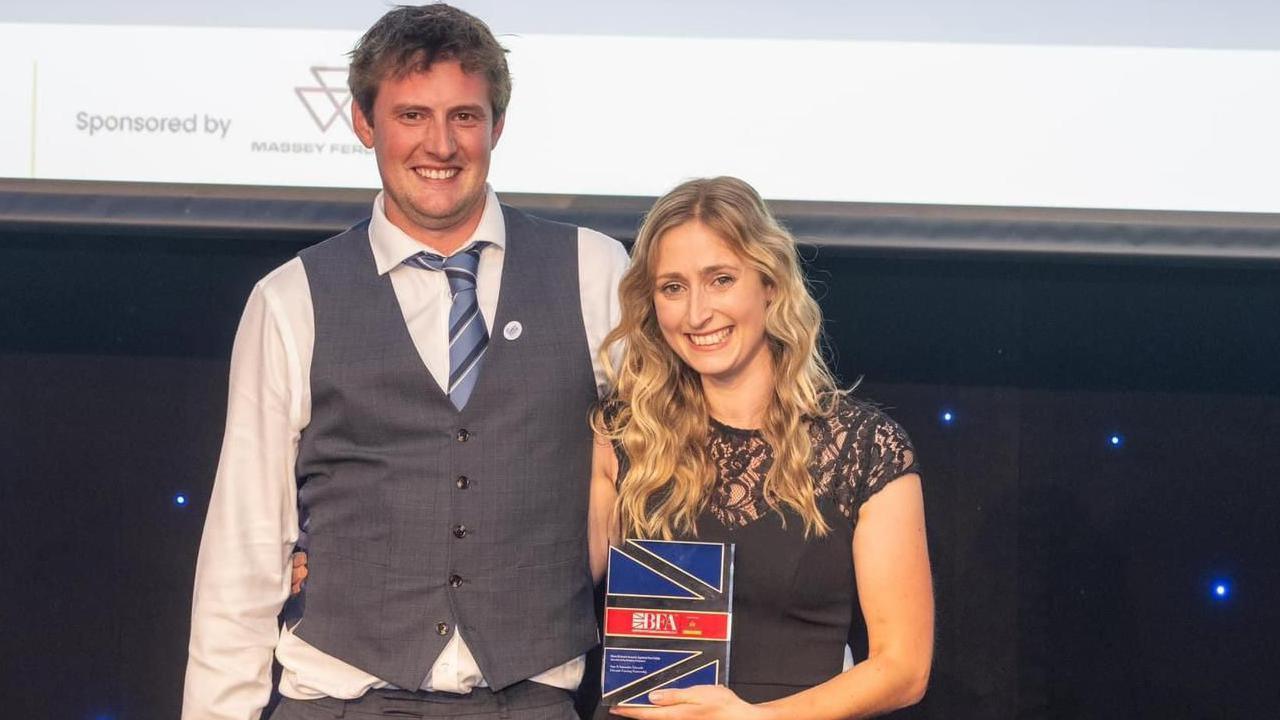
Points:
(327, 101)
(653, 622)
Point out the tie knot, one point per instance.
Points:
(459, 268)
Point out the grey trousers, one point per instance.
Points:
(523, 701)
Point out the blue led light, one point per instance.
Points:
(1115, 440)
(1221, 590)
(180, 499)
(947, 417)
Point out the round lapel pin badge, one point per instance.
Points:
(512, 330)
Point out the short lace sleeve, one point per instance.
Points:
(865, 451)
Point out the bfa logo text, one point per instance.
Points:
(653, 622)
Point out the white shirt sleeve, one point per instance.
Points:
(242, 575)
(601, 262)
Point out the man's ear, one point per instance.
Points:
(497, 131)
(362, 126)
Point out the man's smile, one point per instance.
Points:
(436, 174)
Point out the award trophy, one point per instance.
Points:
(668, 618)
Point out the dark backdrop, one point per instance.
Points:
(1073, 576)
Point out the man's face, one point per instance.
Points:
(432, 133)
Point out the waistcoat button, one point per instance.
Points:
(442, 628)
(463, 482)
(455, 581)
(460, 531)
(464, 435)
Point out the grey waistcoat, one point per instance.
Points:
(422, 520)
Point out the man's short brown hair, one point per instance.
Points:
(410, 38)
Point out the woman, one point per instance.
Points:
(727, 426)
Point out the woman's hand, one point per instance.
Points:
(299, 572)
(701, 702)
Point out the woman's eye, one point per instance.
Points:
(669, 289)
(723, 280)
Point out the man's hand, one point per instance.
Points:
(299, 572)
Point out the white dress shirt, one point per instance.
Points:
(243, 573)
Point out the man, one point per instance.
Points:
(414, 393)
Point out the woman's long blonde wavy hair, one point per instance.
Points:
(659, 414)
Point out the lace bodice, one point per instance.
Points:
(856, 452)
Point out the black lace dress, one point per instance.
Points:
(795, 599)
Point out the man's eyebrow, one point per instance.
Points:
(405, 107)
(472, 108)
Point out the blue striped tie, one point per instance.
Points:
(468, 336)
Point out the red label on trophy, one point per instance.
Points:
(631, 622)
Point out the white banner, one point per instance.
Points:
(1005, 125)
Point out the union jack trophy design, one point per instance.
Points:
(668, 618)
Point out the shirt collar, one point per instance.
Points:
(392, 246)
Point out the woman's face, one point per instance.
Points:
(710, 305)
